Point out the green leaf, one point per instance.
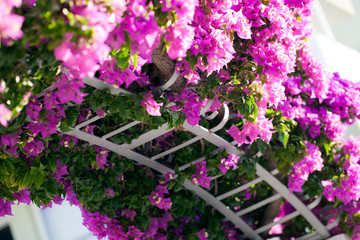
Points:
(178, 187)
(52, 163)
(28, 180)
(326, 147)
(71, 116)
(135, 60)
(171, 184)
(95, 104)
(213, 162)
(114, 107)
(145, 221)
(192, 61)
(123, 58)
(64, 126)
(38, 179)
(158, 121)
(180, 179)
(144, 210)
(106, 100)
(284, 137)
(51, 188)
(42, 114)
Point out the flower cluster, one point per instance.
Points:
(5, 115)
(200, 176)
(191, 106)
(101, 156)
(158, 223)
(203, 235)
(251, 131)
(157, 197)
(347, 187)
(301, 170)
(250, 55)
(84, 56)
(230, 161)
(180, 34)
(152, 107)
(10, 23)
(9, 142)
(325, 93)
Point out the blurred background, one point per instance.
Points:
(335, 41)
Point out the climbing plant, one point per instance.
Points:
(253, 56)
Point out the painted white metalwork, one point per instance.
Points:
(127, 150)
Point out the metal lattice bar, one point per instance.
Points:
(119, 130)
(174, 149)
(287, 217)
(185, 166)
(243, 187)
(147, 137)
(163, 169)
(258, 205)
(211, 200)
(83, 124)
(295, 202)
(96, 83)
(309, 236)
(126, 150)
(212, 138)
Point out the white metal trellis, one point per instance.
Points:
(127, 150)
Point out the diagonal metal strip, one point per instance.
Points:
(200, 132)
(243, 187)
(148, 136)
(264, 174)
(210, 199)
(295, 202)
(288, 217)
(212, 138)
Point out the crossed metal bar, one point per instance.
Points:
(126, 150)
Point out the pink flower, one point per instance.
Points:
(168, 177)
(328, 191)
(100, 112)
(9, 139)
(152, 107)
(157, 198)
(202, 235)
(5, 207)
(109, 192)
(192, 105)
(300, 171)
(200, 178)
(48, 127)
(50, 100)
(231, 161)
(101, 157)
(23, 196)
(135, 233)
(5, 114)
(69, 90)
(240, 24)
(61, 170)
(81, 58)
(34, 148)
(66, 141)
(129, 213)
(181, 37)
(128, 77)
(10, 26)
